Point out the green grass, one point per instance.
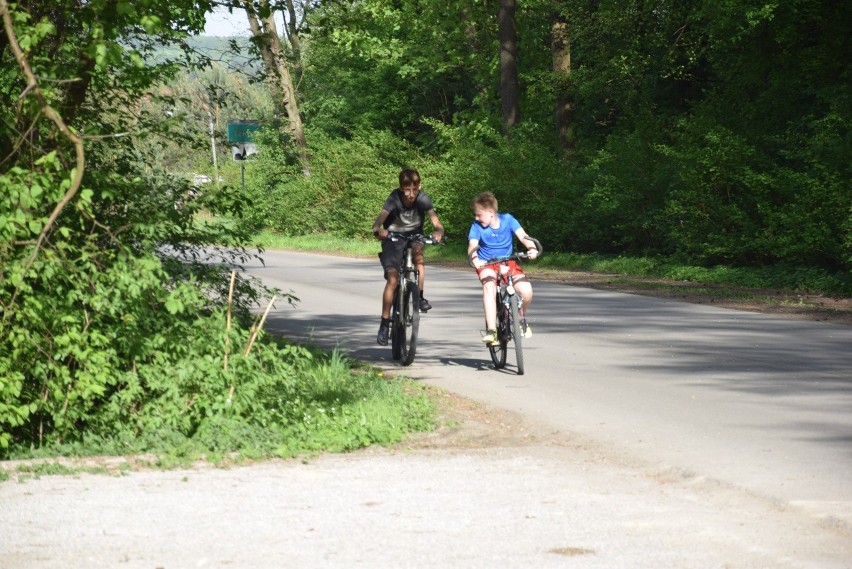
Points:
(320, 242)
(348, 246)
(327, 402)
(779, 277)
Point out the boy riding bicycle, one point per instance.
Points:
(403, 212)
(490, 236)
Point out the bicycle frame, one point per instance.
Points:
(510, 315)
(405, 315)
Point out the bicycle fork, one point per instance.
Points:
(408, 268)
(407, 274)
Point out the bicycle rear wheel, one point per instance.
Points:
(410, 323)
(517, 335)
(498, 350)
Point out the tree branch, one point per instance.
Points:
(32, 85)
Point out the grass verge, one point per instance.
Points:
(779, 277)
(293, 402)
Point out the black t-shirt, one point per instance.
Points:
(406, 219)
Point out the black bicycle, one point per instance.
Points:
(405, 316)
(511, 320)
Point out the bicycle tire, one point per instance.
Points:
(410, 323)
(498, 350)
(517, 335)
(396, 331)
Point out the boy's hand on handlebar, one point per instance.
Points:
(478, 263)
(381, 233)
(532, 253)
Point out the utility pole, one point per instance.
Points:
(213, 149)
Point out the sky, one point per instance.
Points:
(222, 23)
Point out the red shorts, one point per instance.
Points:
(489, 272)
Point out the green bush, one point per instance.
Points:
(350, 179)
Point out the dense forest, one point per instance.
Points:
(715, 133)
(718, 134)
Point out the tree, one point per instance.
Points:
(268, 42)
(509, 84)
(560, 47)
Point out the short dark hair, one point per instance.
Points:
(409, 175)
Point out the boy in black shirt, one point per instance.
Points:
(403, 212)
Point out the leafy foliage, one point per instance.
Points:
(711, 132)
(350, 179)
(112, 300)
(708, 132)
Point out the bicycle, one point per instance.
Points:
(510, 315)
(405, 315)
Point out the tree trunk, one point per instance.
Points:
(292, 31)
(280, 80)
(560, 49)
(509, 84)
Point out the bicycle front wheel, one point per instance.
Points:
(517, 335)
(397, 330)
(410, 322)
(498, 349)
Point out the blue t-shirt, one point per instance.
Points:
(495, 242)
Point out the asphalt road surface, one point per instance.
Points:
(758, 402)
(663, 435)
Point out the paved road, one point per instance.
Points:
(751, 401)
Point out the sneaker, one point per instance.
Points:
(527, 330)
(490, 337)
(384, 332)
(424, 305)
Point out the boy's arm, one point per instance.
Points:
(378, 226)
(438, 229)
(532, 250)
(472, 248)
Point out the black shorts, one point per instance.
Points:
(391, 255)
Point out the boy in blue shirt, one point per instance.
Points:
(491, 235)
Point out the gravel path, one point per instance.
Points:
(485, 492)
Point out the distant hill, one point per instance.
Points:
(234, 52)
(231, 52)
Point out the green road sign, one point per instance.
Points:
(241, 132)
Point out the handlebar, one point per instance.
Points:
(425, 239)
(516, 256)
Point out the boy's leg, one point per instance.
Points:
(391, 280)
(489, 304)
(524, 289)
(390, 259)
(392, 277)
(488, 278)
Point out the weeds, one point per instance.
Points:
(281, 400)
